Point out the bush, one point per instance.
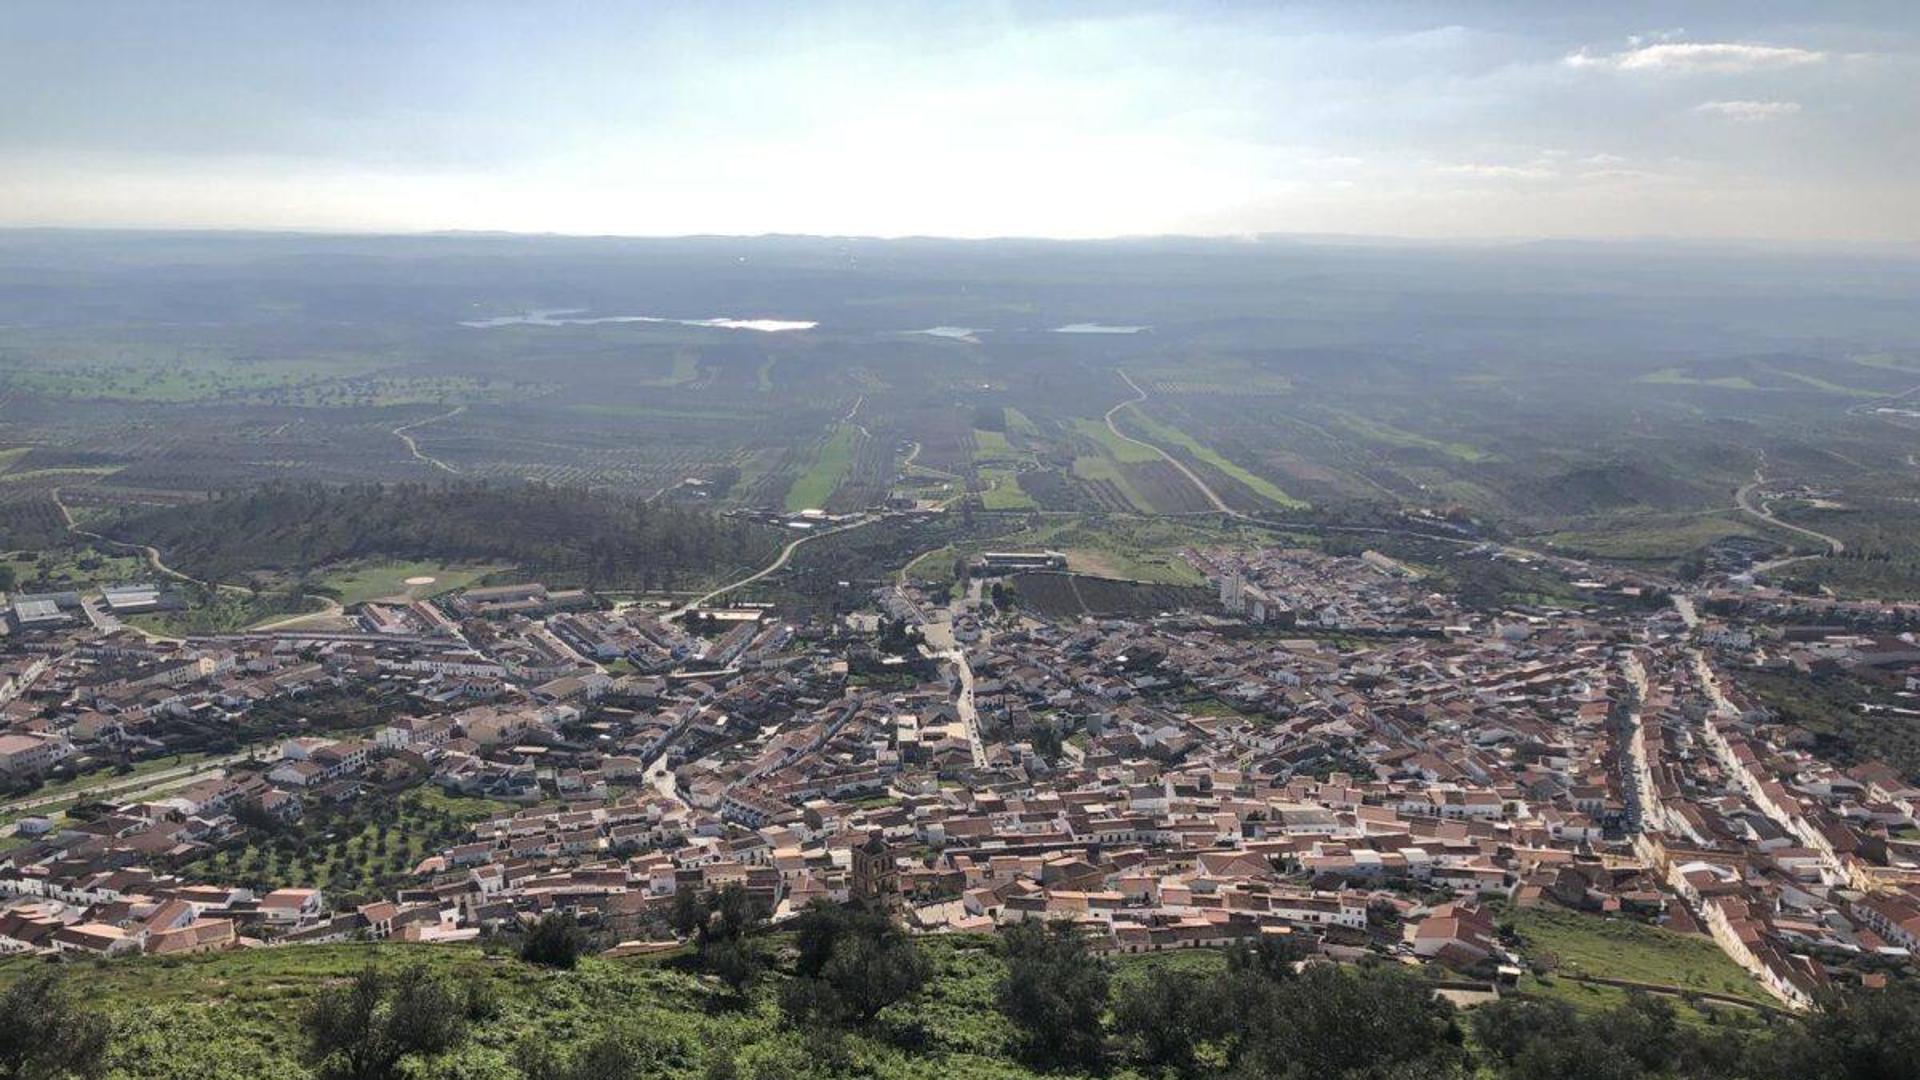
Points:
(367, 1028)
(46, 1032)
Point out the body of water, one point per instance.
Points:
(1098, 328)
(572, 317)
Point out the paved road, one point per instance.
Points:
(1140, 396)
(1748, 504)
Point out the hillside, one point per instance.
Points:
(567, 536)
(234, 1015)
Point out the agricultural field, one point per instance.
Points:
(1654, 537)
(1186, 447)
(1850, 718)
(366, 848)
(153, 371)
(831, 463)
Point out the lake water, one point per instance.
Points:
(571, 317)
(1098, 328)
(955, 333)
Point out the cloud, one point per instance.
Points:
(1748, 111)
(1704, 57)
(1500, 172)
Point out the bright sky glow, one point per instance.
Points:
(1463, 119)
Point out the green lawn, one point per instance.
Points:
(361, 581)
(1578, 944)
(106, 775)
(829, 467)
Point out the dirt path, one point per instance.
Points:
(1140, 396)
(413, 447)
(786, 553)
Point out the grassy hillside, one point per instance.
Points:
(235, 1015)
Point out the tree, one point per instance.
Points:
(1863, 1035)
(365, 1029)
(45, 1033)
(554, 941)
(1053, 993)
(852, 965)
(720, 923)
(1330, 1021)
(1162, 1018)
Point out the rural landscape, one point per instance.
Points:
(1112, 540)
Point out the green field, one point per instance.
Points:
(365, 849)
(57, 788)
(358, 582)
(1113, 446)
(830, 466)
(1002, 491)
(1381, 432)
(1653, 536)
(1572, 943)
(1676, 377)
(1166, 433)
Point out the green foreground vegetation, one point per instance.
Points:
(845, 994)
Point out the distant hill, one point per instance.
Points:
(564, 535)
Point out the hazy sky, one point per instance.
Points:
(1535, 117)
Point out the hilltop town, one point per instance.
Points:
(1332, 749)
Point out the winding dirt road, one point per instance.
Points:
(1140, 396)
(413, 447)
